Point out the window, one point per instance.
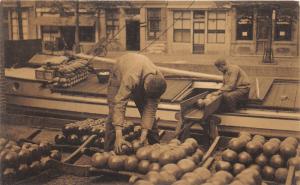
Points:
(50, 33)
(182, 26)
(50, 36)
(87, 34)
(15, 25)
(216, 27)
(244, 24)
(112, 23)
(283, 27)
(153, 17)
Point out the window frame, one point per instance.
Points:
(14, 24)
(240, 16)
(112, 15)
(216, 31)
(289, 29)
(153, 19)
(83, 29)
(182, 30)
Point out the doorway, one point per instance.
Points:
(133, 35)
(263, 30)
(68, 35)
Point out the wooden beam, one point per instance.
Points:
(163, 69)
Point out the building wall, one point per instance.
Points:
(165, 43)
(250, 47)
(209, 47)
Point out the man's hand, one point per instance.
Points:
(120, 142)
(143, 138)
(216, 93)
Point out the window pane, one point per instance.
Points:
(196, 38)
(199, 15)
(186, 15)
(177, 36)
(221, 24)
(25, 30)
(186, 24)
(212, 15)
(202, 26)
(212, 24)
(14, 22)
(220, 37)
(25, 36)
(199, 38)
(15, 36)
(154, 26)
(177, 15)
(25, 23)
(14, 14)
(186, 35)
(87, 33)
(153, 13)
(24, 14)
(196, 26)
(109, 23)
(244, 24)
(202, 39)
(283, 27)
(211, 37)
(178, 24)
(221, 15)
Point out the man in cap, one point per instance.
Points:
(135, 77)
(236, 85)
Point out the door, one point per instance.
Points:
(68, 36)
(264, 29)
(199, 32)
(133, 35)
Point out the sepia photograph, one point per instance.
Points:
(149, 92)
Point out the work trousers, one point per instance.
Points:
(233, 98)
(139, 100)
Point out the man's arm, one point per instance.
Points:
(121, 99)
(148, 117)
(230, 84)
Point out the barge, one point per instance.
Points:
(272, 110)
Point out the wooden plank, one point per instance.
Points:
(297, 99)
(289, 96)
(79, 152)
(187, 105)
(174, 88)
(259, 88)
(257, 123)
(197, 114)
(194, 115)
(282, 95)
(271, 98)
(264, 86)
(91, 86)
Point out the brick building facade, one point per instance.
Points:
(195, 27)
